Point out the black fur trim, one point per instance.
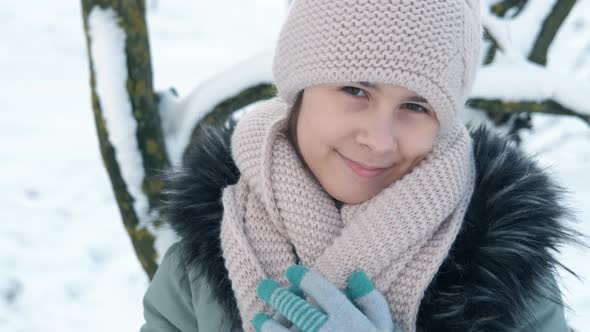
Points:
(504, 254)
(193, 208)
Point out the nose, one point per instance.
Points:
(379, 135)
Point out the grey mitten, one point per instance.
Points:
(360, 307)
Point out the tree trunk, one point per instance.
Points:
(150, 142)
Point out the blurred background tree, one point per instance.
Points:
(516, 114)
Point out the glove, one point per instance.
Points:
(282, 319)
(359, 308)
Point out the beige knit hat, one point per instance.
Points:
(428, 46)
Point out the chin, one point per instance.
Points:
(342, 187)
(346, 199)
(350, 196)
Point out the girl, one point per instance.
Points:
(359, 189)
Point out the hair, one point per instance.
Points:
(292, 123)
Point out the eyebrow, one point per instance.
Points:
(417, 98)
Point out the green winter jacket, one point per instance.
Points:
(178, 301)
(492, 279)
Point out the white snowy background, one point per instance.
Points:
(66, 263)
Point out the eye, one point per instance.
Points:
(417, 108)
(351, 90)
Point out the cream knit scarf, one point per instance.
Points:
(278, 214)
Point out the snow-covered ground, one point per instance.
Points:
(66, 263)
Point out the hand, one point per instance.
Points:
(360, 308)
(282, 319)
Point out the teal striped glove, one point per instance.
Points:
(359, 308)
(278, 317)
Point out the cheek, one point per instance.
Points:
(416, 144)
(321, 130)
(312, 140)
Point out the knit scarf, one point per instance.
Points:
(278, 214)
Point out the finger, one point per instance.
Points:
(282, 319)
(369, 300)
(264, 323)
(291, 306)
(297, 291)
(326, 294)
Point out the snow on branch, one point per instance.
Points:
(517, 78)
(107, 48)
(529, 81)
(533, 83)
(180, 119)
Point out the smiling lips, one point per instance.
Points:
(360, 170)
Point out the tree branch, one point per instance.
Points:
(500, 9)
(221, 113)
(497, 107)
(549, 30)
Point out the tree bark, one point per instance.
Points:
(149, 136)
(496, 108)
(549, 29)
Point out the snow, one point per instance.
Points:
(107, 46)
(530, 82)
(574, 53)
(562, 144)
(181, 119)
(498, 28)
(66, 262)
(559, 81)
(517, 35)
(164, 238)
(525, 27)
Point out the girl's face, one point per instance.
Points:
(358, 138)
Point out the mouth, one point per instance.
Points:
(361, 170)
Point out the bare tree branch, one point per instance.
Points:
(144, 110)
(221, 113)
(549, 30)
(500, 9)
(497, 107)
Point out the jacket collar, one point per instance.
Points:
(502, 257)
